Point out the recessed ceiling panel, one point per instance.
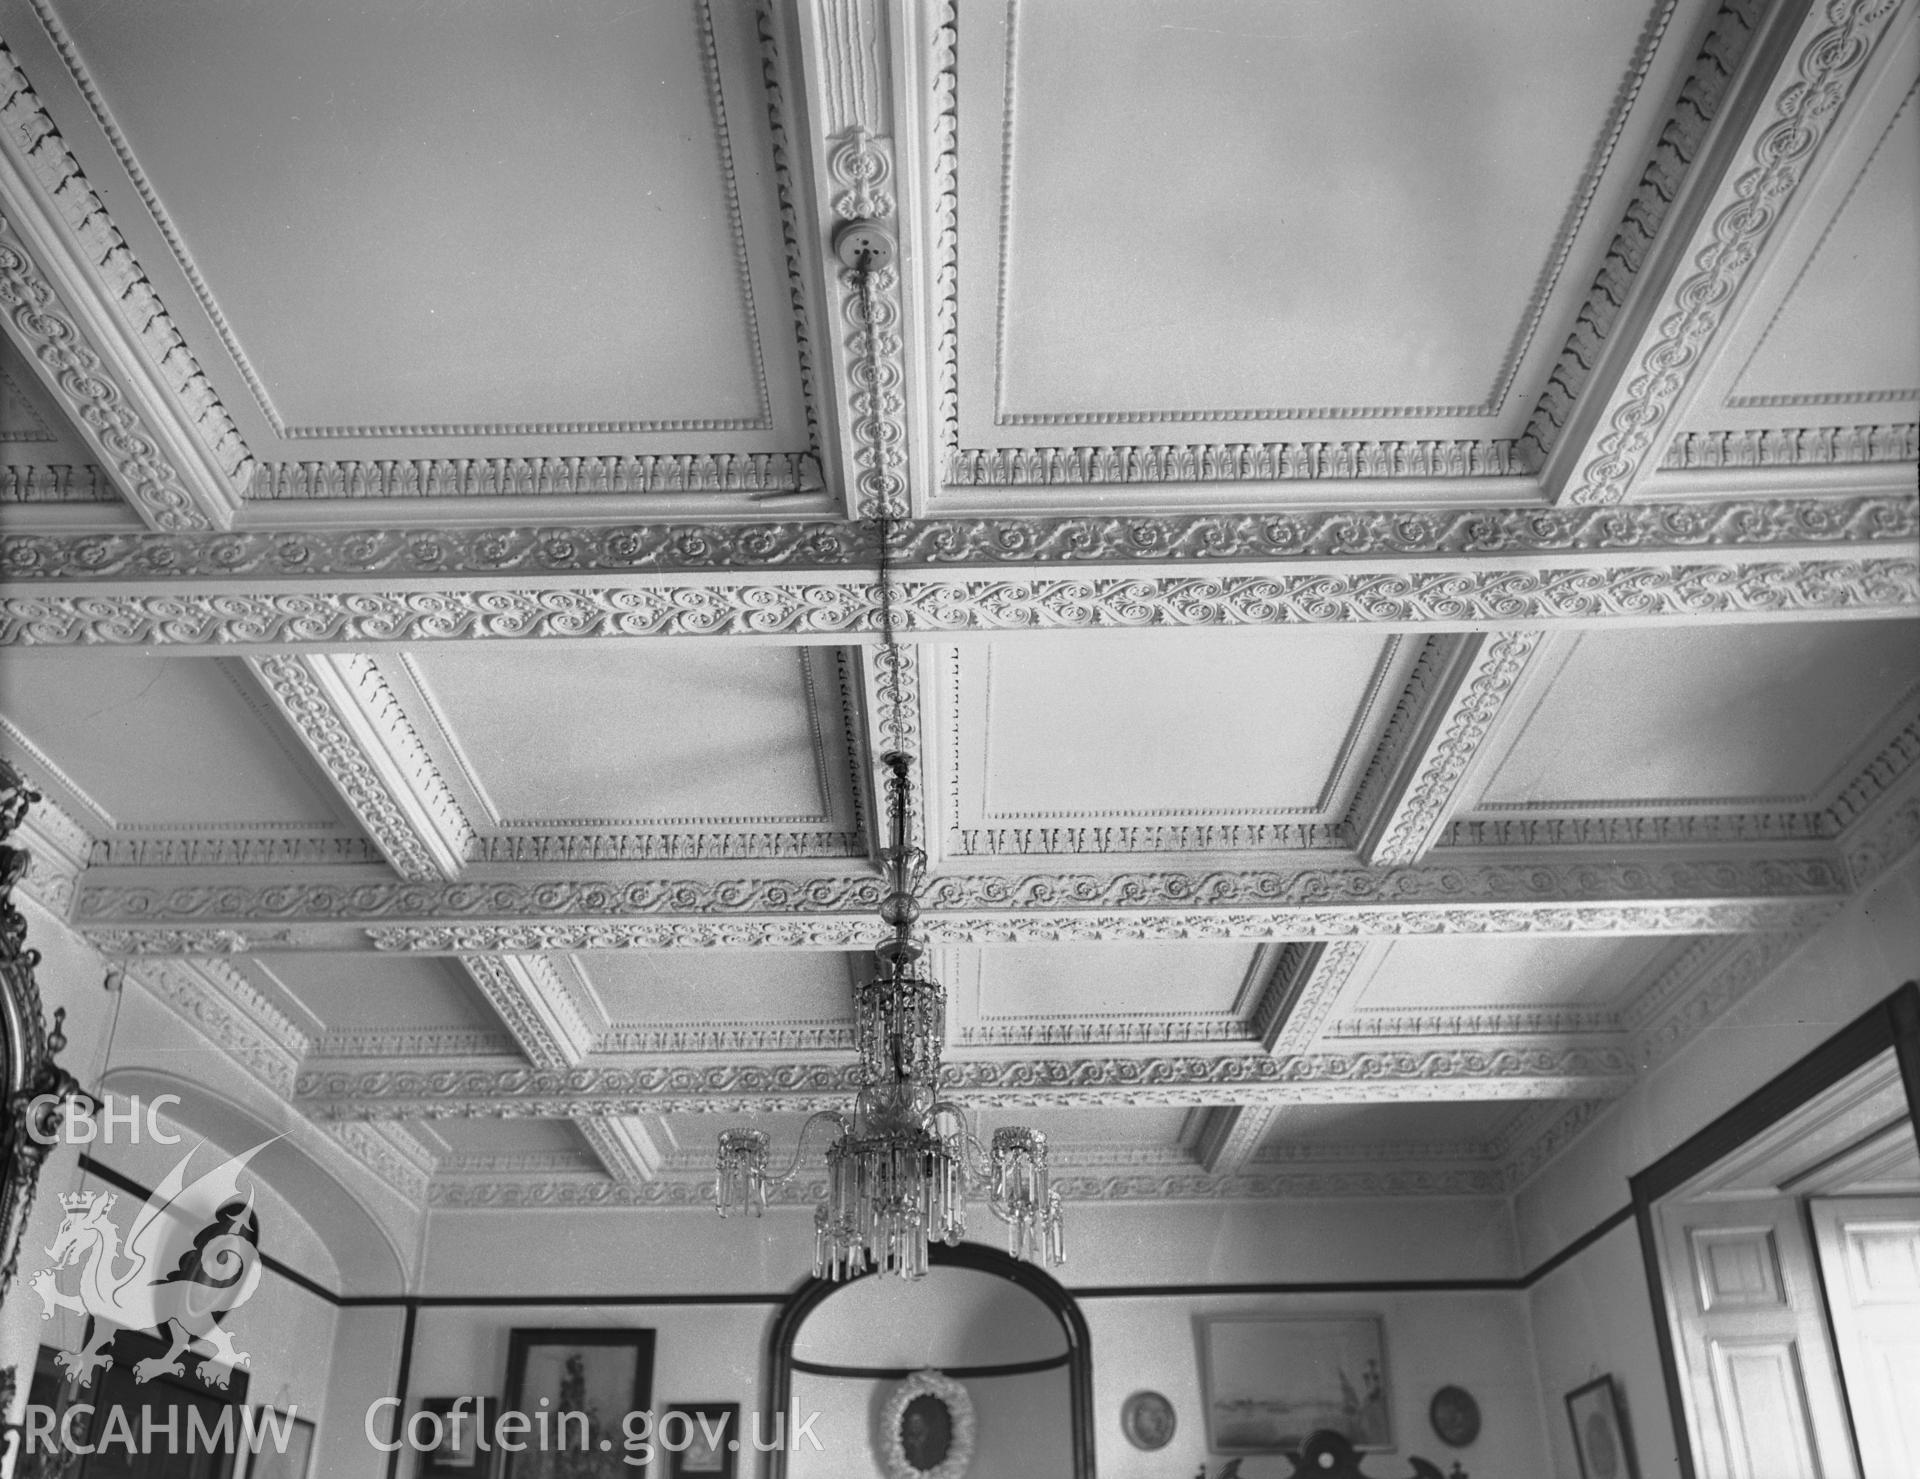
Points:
(1091, 982)
(1342, 209)
(1068, 1130)
(1441, 1122)
(647, 735)
(1728, 716)
(1270, 724)
(1439, 973)
(477, 219)
(380, 991)
(1826, 344)
(724, 986)
(156, 743)
(484, 1138)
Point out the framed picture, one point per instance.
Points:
(1272, 1382)
(292, 1462)
(1600, 1432)
(458, 1452)
(705, 1438)
(590, 1379)
(926, 1428)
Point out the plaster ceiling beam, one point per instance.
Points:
(234, 1018)
(625, 1146)
(793, 608)
(1229, 1135)
(529, 997)
(351, 722)
(1645, 893)
(390, 1153)
(1418, 776)
(89, 547)
(1448, 1073)
(1740, 145)
(844, 135)
(84, 314)
(1309, 982)
(58, 850)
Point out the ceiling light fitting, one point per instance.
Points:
(902, 1164)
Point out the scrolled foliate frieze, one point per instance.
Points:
(849, 932)
(1081, 539)
(1474, 597)
(1688, 918)
(499, 900)
(439, 904)
(81, 378)
(1674, 150)
(1249, 1078)
(1690, 316)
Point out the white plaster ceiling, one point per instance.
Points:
(156, 744)
(376, 994)
(494, 722)
(1270, 725)
(1754, 717)
(1443, 976)
(1342, 214)
(662, 738)
(742, 987)
(416, 233)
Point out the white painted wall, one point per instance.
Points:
(1594, 1315)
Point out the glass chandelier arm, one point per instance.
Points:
(781, 1178)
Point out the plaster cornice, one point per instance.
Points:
(368, 899)
(847, 609)
(1802, 101)
(347, 716)
(100, 337)
(243, 559)
(226, 1010)
(589, 1090)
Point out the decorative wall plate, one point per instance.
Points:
(1455, 1416)
(1148, 1421)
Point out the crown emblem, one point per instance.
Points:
(79, 1201)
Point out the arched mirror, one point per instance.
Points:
(979, 1371)
(1783, 1250)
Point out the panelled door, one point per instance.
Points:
(1870, 1259)
(1763, 1392)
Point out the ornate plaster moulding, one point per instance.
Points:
(1406, 462)
(226, 1010)
(843, 608)
(112, 356)
(1733, 526)
(592, 1090)
(695, 1192)
(1823, 62)
(1799, 448)
(831, 902)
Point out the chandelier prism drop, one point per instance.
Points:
(902, 1164)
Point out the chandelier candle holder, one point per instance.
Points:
(902, 1165)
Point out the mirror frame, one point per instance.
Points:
(1893, 1022)
(983, 1259)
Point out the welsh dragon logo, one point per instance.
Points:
(192, 1254)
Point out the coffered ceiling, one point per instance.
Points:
(1402, 534)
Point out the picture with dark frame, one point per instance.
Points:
(458, 1453)
(709, 1429)
(1600, 1439)
(590, 1379)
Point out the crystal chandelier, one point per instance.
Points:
(901, 1165)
